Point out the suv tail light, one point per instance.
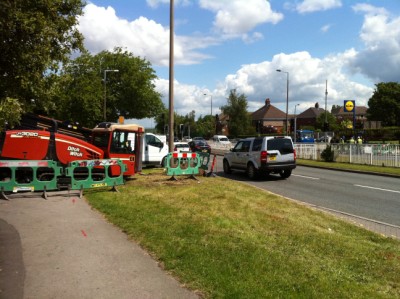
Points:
(263, 156)
(294, 153)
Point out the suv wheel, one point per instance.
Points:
(227, 168)
(286, 173)
(251, 171)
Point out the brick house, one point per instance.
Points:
(269, 119)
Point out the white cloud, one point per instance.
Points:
(235, 18)
(380, 60)
(326, 28)
(307, 79)
(104, 30)
(308, 6)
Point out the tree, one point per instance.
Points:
(384, 105)
(236, 110)
(130, 92)
(330, 119)
(36, 37)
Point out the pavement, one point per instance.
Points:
(61, 248)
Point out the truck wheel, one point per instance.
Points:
(251, 171)
(285, 173)
(227, 168)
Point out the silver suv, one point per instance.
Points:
(262, 156)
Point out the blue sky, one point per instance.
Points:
(222, 45)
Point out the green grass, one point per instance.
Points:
(353, 167)
(229, 240)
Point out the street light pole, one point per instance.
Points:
(105, 92)
(287, 98)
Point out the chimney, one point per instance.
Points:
(267, 102)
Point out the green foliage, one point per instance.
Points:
(328, 154)
(36, 36)
(236, 110)
(331, 119)
(10, 112)
(384, 105)
(130, 92)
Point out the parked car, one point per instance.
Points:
(200, 146)
(199, 138)
(222, 139)
(181, 147)
(187, 139)
(262, 156)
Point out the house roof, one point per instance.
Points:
(360, 110)
(311, 113)
(268, 111)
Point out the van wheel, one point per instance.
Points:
(251, 171)
(285, 173)
(227, 168)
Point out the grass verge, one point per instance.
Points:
(230, 240)
(395, 171)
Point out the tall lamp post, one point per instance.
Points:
(295, 122)
(287, 98)
(211, 101)
(105, 92)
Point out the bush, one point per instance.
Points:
(328, 154)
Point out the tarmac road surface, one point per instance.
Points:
(61, 248)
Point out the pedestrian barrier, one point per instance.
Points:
(204, 160)
(182, 164)
(22, 175)
(46, 175)
(86, 174)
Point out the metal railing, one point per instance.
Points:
(368, 154)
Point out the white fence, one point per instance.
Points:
(369, 154)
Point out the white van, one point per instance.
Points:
(155, 150)
(221, 139)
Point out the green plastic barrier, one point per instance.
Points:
(86, 174)
(22, 175)
(182, 164)
(204, 160)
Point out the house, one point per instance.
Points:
(360, 117)
(269, 119)
(309, 117)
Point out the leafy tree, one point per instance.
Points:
(206, 126)
(36, 37)
(130, 92)
(236, 109)
(330, 119)
(10, 110)
(335, 109)
(384, 105)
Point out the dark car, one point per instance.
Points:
(200, 146)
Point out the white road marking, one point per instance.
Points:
(306, 177)
(381, 189)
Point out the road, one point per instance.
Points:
(370, 196)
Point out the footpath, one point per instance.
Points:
(61, 248)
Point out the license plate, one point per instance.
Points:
(204, 151)
(272, 158)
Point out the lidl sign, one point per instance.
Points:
(349, 106)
